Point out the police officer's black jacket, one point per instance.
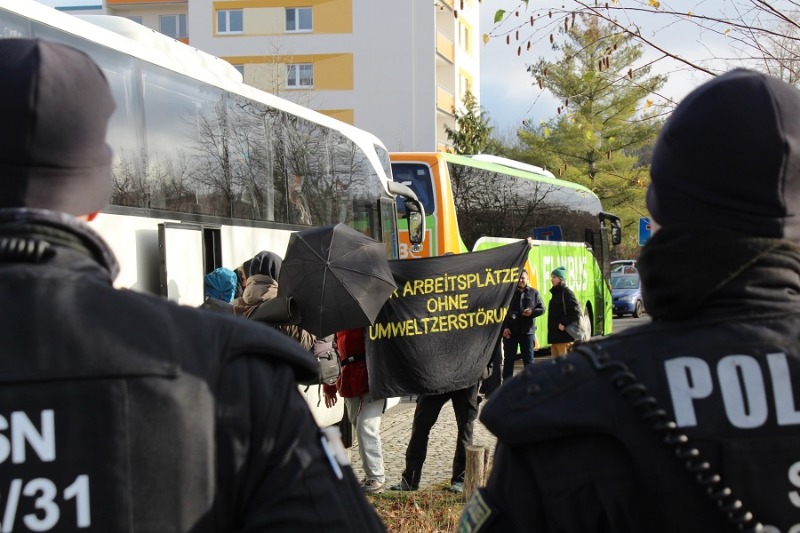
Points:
(582, 447)
(122, 412)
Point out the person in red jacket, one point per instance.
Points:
(364, 412)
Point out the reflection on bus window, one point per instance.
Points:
(224, 155)
(186, 147)
(497, 203)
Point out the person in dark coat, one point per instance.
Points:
(121, 411)
(691, 422)
(519, 326)
(564, 309)
(261, 289)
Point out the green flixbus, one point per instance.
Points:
(479, 202)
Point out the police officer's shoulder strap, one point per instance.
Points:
(647, 409)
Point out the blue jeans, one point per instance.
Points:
(525, 344)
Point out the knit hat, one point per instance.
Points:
(560, 273)
(729, 157)
(220, 283)
(56, 104)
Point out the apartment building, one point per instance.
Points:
(397, 68)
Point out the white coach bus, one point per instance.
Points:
(209, 171)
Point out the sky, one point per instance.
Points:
(507, 92)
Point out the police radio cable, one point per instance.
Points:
(646, 407)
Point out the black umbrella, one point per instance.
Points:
(340, 278)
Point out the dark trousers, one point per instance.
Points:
(525, 344)
(490, 384)
(465, 406)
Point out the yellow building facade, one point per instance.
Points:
(399, 69)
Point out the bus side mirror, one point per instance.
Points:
(415, 216)
(616, 234)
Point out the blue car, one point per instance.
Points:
(626, 295)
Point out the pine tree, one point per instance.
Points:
(605, 120)
(472, 131)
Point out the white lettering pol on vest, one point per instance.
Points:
(742, 389)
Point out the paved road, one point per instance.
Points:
(396, 430)
(621, 324)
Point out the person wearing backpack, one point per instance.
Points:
(363, 411)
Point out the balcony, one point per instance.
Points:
(445, 100)
(445, 46)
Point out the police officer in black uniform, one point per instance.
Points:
(120, 411)
(690, 423)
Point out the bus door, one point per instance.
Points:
(181, 251)
(610, 235)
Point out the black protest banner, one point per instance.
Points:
(437, 331)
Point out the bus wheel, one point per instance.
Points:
(586, 320)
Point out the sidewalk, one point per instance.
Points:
(396, 431)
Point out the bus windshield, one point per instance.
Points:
(418, 177)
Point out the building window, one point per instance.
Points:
(298, 19)
(464, 86)
(230, 21)
(300, 76)
(173, 26)
(137, 20)
(465, 37)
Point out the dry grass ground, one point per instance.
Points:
(432, 510)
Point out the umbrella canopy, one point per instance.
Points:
(340, 278)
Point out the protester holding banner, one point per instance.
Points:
(465, 406)
(519, 327)
(564, 309)
(434, 338)
(438, 330)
